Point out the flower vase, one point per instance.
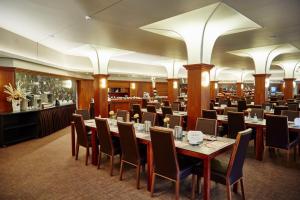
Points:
(15, 105)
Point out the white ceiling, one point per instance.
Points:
(61, 25)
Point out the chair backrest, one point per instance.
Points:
(255, 106)
(278, 109)
(207, 126)
(130, 151)
(104, 136)
(211, 105)
(290, 100)
(123, 114)
(264, 105)
(273, 98)
(85, 113)
(166, 110)
(175, 106)
(238, 155)
(293, 106)
(236, 123)
(258, 111)
(222, 101)
(136, 109)
(165, 159)
(228, 102)
(151, 108)
(281, 102)
(230, 109)
(166, 102)
(277, 132)
(209, 114)
(242, 105)
(155, 104)
(80, 130)
(149, 116)
(290, 114)
(175, 120)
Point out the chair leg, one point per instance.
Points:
(99, 159)
(193, 186)
(177, 189)
(152, 184)
(242, 188)
(138, 173)
(295, 153)
(288, 155)
(121, 170)
(87, 155)
(111, 165)
(77, 151)
(228, 191)
(198, 189)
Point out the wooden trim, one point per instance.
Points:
(201, 66)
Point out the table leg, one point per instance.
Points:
(73, 138)
(206, 174)
(95, 149)
(235, 187)
(259, 143)
(149, 165)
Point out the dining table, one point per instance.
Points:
(177, 113)
(259, 125)
(207, 150)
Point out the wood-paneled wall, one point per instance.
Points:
(7, 75)
(84, 92)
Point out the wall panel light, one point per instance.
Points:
(205, 79)
(175, 84)
(267, 82)
(133, 86)
(103, 83)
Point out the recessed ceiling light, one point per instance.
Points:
(87, 18)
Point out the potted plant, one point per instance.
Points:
(15, 95)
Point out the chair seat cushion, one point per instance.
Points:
(187, 165)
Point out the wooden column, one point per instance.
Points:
(213, 90)
(260, 93)
(172, 92)
(288, 88)
(239, 90)
(198, 94)
(85, 92)
(7, 75)
(101, 95)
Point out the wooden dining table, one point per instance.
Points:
(259, 125)
(177, 113)
(206, 151)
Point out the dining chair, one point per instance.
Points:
(255, 106)
(281, 102)
(151, 108)
(278, 109)
(242, 105)
(278, 136)
(175, 106)
(293, 106)
(175, 120)
(166, 164)
(124, 114)
(209, 114)
(258, 112)
(136, 109)
(108, 146)
(230, 173)
(236, 123)
(207, 126)
(229, 109)
(166, 102)
(166, 110)
(290, 100)
(82, 139)
(264, 105)
(132, 153)
(290, 114)
(85, 113)
(149, 116)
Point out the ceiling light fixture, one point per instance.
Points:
(87, 18)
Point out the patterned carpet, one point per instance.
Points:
(44, 169)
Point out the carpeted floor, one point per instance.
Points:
(44, 169)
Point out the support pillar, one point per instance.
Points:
(213, 90)
(198, 91)
(239, 90)
(288, 88)
(101, 95)
(172, 91)
(260, 93)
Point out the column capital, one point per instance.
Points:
(100, 75)
(262, 75)
(200, 66)
(172, 79)
(289, 79)
(214, 81)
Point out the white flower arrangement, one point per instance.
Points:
(135, 116)
(166, 120)
(14, 93)
(111, 112)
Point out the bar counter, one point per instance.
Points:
(123, 104)
(19, 126)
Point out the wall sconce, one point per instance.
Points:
(133, 86)
(103, 83)
(294, 84)
(283, 85)
(216, 85)
(153, 82)
(267, 82)
(175, 84)
(242, 86)
(67, 84)
(205, 79)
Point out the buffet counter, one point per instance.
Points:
(23, 125)
(123, 104)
